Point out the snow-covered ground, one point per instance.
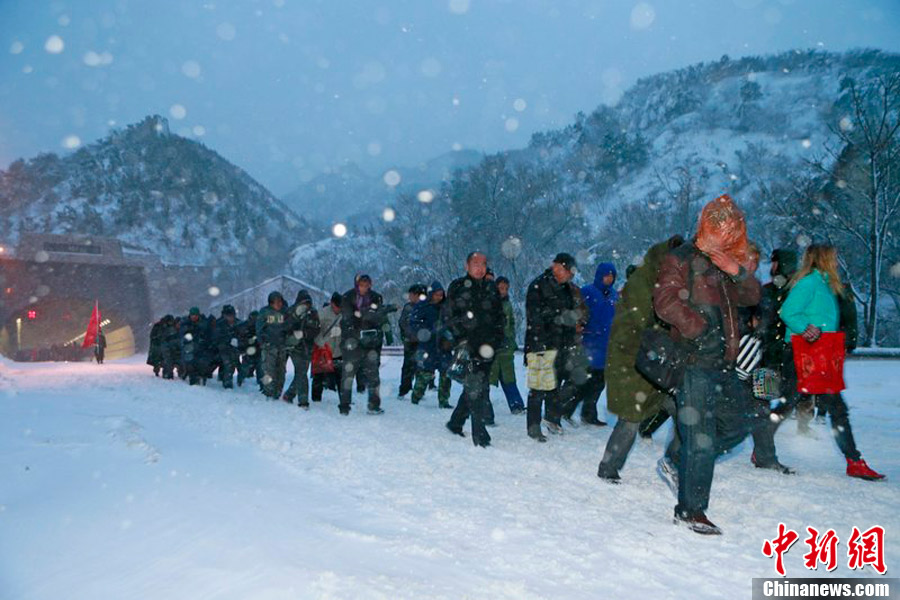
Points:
(114, 484)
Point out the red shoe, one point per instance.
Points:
(859, 468)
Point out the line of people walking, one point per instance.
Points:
(692, 335)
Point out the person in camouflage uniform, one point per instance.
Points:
(248, 348)
(302, 329)
(271, 327)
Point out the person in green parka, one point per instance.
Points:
(629, 395)
(503, 372)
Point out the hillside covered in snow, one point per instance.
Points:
(154, 191)
(623, 177)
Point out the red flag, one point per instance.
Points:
(93, 328)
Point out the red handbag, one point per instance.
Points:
(322, 360)
(820, 364)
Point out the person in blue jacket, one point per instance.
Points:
(600, 298)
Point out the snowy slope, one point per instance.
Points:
(156, 191)
(119, 485)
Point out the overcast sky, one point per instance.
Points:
(288, 88)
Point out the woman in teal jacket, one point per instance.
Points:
(811, 309)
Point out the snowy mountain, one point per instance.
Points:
(351, 192)
(155, 191)
(623, 177)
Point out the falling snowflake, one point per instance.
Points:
(339, 230)
(458, 7)
(178, 111)
(425, 196)
(392, 178)
(54, 44)
(226, 31)
(71, 142)
(642, 16)
(191, 68)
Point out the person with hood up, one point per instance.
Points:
(600, 298)
(434, 346)
(302, 329)
(700, 287)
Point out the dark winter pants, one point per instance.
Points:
(408, 370)
(299, 387)
(834, 404)
(229, 357)
(617, 448)
(588, 394)
(168, 362)
(365, 362)
(474, 402)
(320, 381)
(249, 365)
(272, 366)
(715, 413)
(560, 401)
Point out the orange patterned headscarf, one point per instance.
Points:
(722, 226)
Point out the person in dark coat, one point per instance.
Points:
(168, 346)
(154, 356)
(100, 347)
(227, 338)
(271, 329)
(195, 340)
(600, 298)
(417, 293)
(248, 348)
(475, 322)
(700, 287)
(433, 347)
(302, 329)
(555, 315)
(364, 322)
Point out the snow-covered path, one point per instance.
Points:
(115, 484)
